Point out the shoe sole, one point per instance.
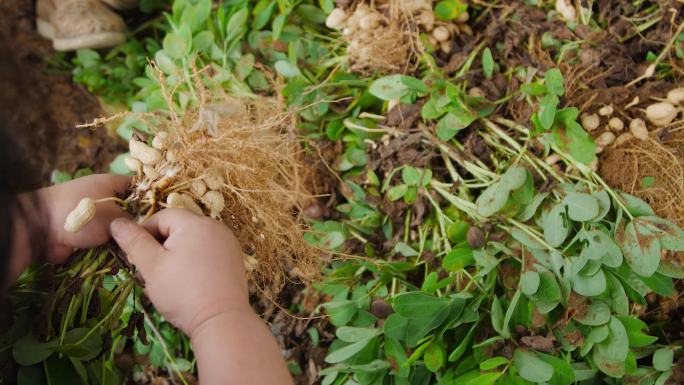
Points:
(45, 29)
(92, 41)
(121, 5)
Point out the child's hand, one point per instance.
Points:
(195, 274)
(196, 278)
(59, 200)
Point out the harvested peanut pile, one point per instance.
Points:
(388, 35)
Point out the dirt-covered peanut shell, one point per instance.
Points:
(566, 9)
(198, 188)
(171, 156)
(132, 163)
(213, 179)
(441, 33)
(465, 29)
(463, 17)
(80, 216)
(176, 200)
(336, 18)
(151, 172)
(638, 128)
(146, 154)
(590, 122)
(190, 204)
(213, 200)
(445, 46)
(161, 140)
(605, 139)
(369, 22)
(623, 138)
(250, 262)
(616, 124)
(676, 96)
(661, 114)
(606, 110)
(477, 92)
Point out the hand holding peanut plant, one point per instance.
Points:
(58, 201)
(191, 265)
(194, 274)
(55, 204)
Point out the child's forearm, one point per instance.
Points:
(20, 256)
(237, 348)
(21, 252)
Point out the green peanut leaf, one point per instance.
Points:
(531, 367)
(463, 345)
(634, 327)
(450, 9)
(458, 258)
(287, 69)
(662, 359)
(453, 122)
(491, 200)
(485, 379)
(487, 63)
(354, 334)
(670, 235)
(589, 285)
(598, 313)
(641, 248)
(581, 207)
(397, 192)
(29, 351)
(555, 227)
(346, 352)
(553, 80)
(616, 346)
(419, 305)
(434, 356)
(529, 282)
(493, 362)
(547, 110)
(513, 178)
(388, 87)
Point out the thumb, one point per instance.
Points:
(140, 246)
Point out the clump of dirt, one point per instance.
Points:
(651, 169)
(42, 109)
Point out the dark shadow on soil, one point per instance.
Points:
(42, 110)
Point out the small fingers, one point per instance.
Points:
(165, 222)
(142, 248)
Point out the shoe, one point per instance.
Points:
(76, 24)
(122, 4)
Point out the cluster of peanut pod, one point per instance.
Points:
(158, 183)
(659, 114)
(367, 18)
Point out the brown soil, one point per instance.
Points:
(41, 109)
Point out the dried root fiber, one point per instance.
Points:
(239, 161)
(651, 169)
(381, 36)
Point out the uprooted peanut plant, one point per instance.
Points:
(236, 160)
